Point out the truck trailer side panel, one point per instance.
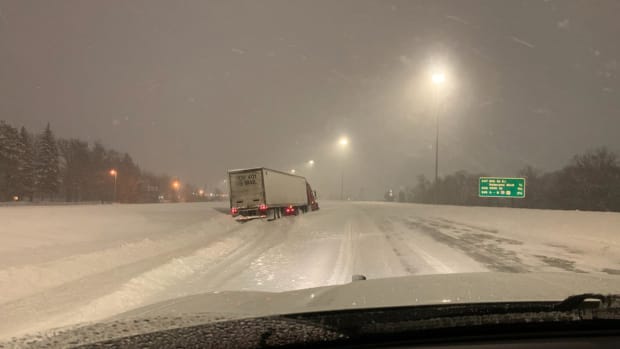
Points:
(282, 189)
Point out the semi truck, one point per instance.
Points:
(266, 193)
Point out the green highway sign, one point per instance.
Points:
(501, 187)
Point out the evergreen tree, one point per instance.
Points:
(75, 168)
(26, 165)
(9, 160)
(128, 180)
(98, 182)
(46, 165)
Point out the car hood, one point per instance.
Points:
(214, 308)
(389, 292)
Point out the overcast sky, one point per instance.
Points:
(193, 88)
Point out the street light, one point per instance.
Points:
(293, 171)
(343, 142)
(114, 174)
(438, 78)
(311, 163)
(176, 185)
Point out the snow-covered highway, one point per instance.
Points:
(66, 264)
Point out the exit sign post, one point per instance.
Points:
(501, 187)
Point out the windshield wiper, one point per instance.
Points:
(358, 323)
(589, 301)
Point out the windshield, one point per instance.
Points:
(151, 150)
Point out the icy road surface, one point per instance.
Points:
(61, 265)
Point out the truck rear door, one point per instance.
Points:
(246, 189)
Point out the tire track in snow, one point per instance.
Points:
(305, 256)
(112, 291)
(414, 259)
(344, 266)
(26, 280)
(207, 269)
(486, 249)
(220, 276)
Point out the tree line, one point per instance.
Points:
(42, 167)
(590, 181)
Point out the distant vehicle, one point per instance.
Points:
(265, 193)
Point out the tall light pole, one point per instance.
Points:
(114, 174)
(438, 79)
(343, 142)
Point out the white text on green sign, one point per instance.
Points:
(501, 187)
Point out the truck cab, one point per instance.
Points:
(313, 205)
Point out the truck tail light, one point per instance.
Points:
(262, 207)
(234, 210)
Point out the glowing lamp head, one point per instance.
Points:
(438, 78)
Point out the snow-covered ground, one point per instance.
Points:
(66, 264)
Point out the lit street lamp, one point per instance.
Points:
(311, 163)
(114, 174)
(293, 171)
(343, 142)
(438, 79)
(176, 185)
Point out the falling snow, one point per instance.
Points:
(457, 19)
(563, 24)
(522, 42)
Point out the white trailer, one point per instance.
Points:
(262, 192)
